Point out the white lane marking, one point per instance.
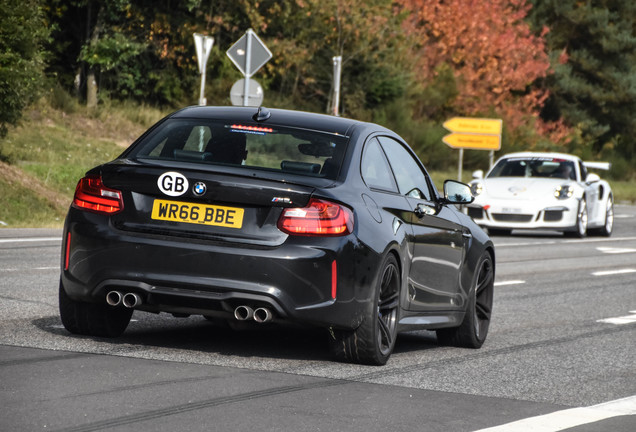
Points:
(578, 241)
(570, 418)
(538, 243)
(623, 216)
(613, 272)
(627, 319)
(30, 239)
(510, 282)
(27, 269)
(615, 250)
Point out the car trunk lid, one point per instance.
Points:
(202, 203)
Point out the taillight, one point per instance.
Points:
(92, 195)
(318, 218)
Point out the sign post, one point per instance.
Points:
(203, 45)
(337, 71)
(473, 134)
(249, 54)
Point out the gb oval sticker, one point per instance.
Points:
(172, 183)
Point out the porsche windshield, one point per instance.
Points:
(534, 167)
(293, 151)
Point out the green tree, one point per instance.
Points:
(304, 36)
(592, 47)
(125, 48)
(22, 33)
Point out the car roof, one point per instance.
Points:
(541, 155)
(281, 117)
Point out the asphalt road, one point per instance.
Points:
(562, 344)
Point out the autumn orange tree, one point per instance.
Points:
(494, 57)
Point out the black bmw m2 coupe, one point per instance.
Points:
(273, 216)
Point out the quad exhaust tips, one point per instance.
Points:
(129, 300)
(241, 313)
(260, 315)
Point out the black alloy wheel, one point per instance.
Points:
(373, 341)
(474, 328)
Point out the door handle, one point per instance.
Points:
(422, 210)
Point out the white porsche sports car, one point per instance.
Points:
(552, 191)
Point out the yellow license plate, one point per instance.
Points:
(202, 214)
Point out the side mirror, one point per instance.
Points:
(478, 175)
(592, 178)
(457, 193)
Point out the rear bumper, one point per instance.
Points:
(194, 276)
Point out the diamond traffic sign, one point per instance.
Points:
(249, 53)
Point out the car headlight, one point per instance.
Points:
(476, 188)
(563, 192)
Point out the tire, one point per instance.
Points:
(580, 228)
(373, 341)
(473, 330)
(608, 227)
(92, 319)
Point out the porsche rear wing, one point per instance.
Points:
(598, 165)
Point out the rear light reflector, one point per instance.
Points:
(334, 279)
(67, 251)
(318, 218)
(92, 195)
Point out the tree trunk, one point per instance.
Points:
(91, 80)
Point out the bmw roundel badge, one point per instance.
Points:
(199, 188)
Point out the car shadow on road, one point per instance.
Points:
(200, 335)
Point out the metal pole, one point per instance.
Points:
(248, 55)
(461, 162)
(202, 100)
(337, 69)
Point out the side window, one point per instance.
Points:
(583, 171)
(375, 168)
(410, 177)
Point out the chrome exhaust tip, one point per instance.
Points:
(131, 300)
(114, 298)
(243, 313)
(263, 315)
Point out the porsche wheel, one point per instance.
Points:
(474, 328)
(608, 227)
(373, 341)
(580, 229)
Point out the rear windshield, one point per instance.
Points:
(534, 167)
(296, 151)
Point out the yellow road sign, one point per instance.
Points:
(473, 141)
(474, 125)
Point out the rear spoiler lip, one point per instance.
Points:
(598, 165)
